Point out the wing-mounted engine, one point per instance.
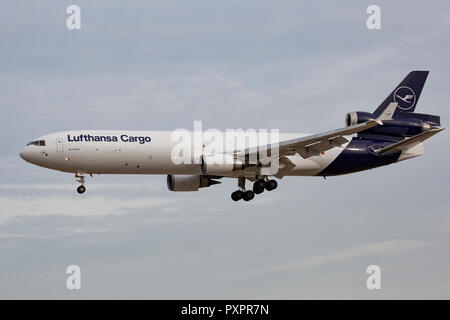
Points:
(189, 182)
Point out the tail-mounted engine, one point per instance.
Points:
(357, 117)
(404, 124)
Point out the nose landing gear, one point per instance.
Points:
(81, 189)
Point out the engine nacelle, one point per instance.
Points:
(357, 117)
(188, 182)
(220, 164)
(405, 124)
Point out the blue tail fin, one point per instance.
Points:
(406, 94)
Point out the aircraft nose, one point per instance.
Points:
(24, 154)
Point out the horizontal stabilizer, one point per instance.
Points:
(409, 142)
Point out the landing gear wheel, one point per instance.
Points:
(248, 195)
(258, 186)
(80, 175)
(237, 195)
(271, 185)
(81, 189)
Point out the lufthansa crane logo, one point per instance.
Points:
(405, 97)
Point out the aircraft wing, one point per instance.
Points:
(311, 145)
(409, 142)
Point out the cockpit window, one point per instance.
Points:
(37, 143)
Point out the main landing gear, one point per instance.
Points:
(258, 187)
(247, 195)
(242, 194)
(81, 189)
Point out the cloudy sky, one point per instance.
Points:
(297, 66)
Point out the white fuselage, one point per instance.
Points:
(137, 152)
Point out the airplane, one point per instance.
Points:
(392, 133)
